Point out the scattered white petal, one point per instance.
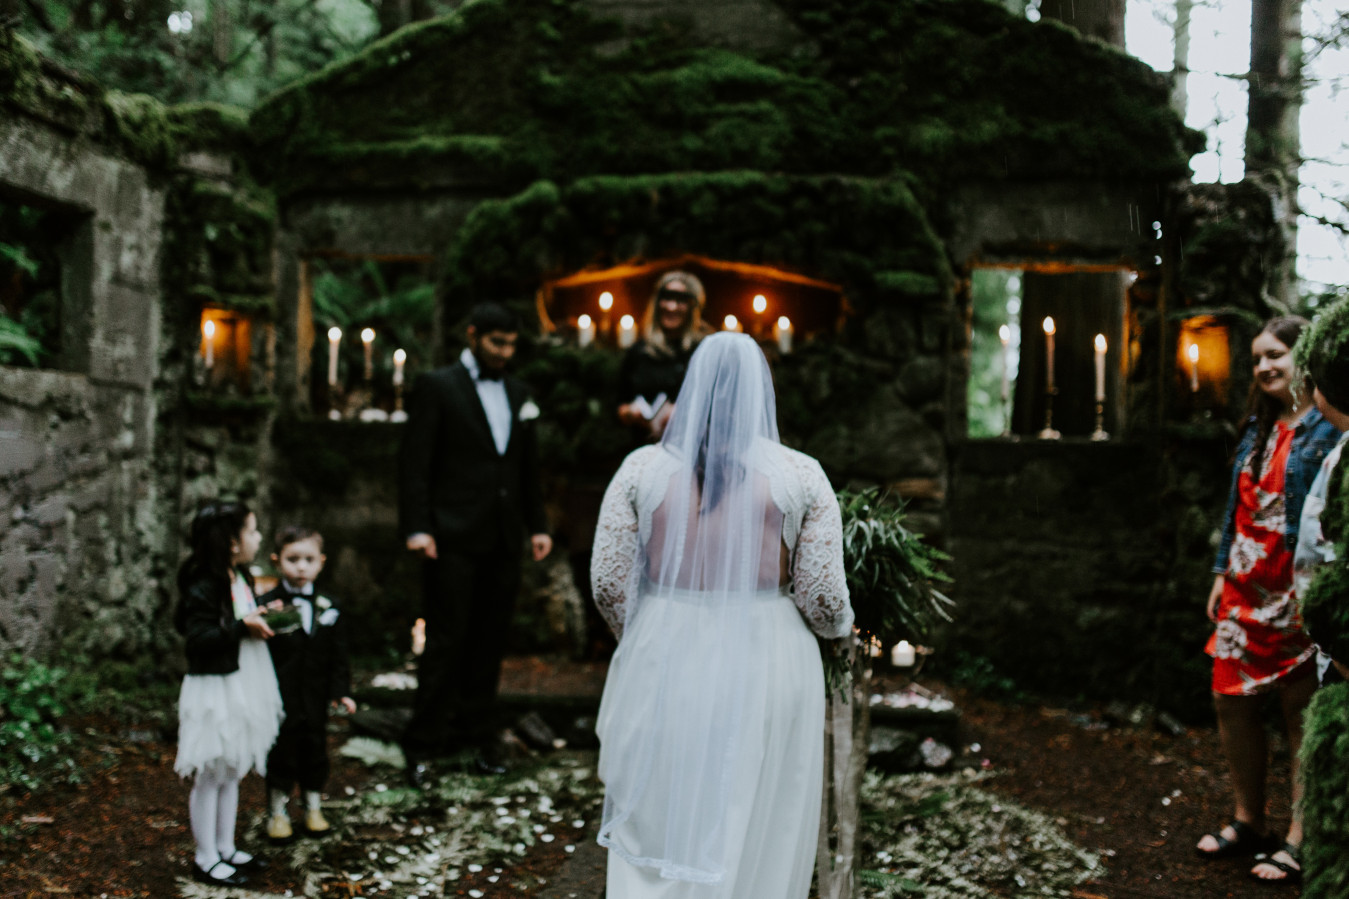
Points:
(476, 894)
(493, 879)
(578, 824)
(474, 869)
(569, 849)
(547, 838)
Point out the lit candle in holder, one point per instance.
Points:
(368, 340)
(730, 323)
(1005, 336)
(400, 357)
(760, 307)
(208, 341)
(585, 331)
(1193, 353)
(903, 655)
(1100, 368)
(1049, 353)
(606, 305)
(627, 331)
(334, 338)
(784, 334)
(1048, 432)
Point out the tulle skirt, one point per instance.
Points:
(775, 784)
(228, 722)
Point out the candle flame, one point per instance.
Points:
(784, 323)
(334, 334)
(208, 328)
(1049, 324)
(400, 356)
(583, 322)
(1193, 353)
(606, 301)
(1100, 343)
(731, 323)
(367, 335)
(626, 322)
(1005, 335)
(760, 303)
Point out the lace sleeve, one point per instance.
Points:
(613, 557)
(817, 569)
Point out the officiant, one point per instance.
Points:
(653, 368)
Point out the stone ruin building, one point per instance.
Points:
(864, 163)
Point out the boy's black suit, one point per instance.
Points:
(478, 504)
(312, 670)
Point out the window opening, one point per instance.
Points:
(1017, 315)
(35, 324)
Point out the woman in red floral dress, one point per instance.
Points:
(1258, 645)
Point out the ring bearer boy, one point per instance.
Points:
(313, 671)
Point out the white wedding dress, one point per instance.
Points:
(717, 574)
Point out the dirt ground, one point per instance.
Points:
(1139, 796)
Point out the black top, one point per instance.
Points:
(206, 618)
(648, 372)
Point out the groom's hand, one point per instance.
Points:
(423, 544)
(542, 545)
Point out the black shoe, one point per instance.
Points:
(253, 865)
(235, 878)
(419, 775)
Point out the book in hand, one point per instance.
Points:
(649, 409)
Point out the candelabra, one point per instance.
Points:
(1049, 433)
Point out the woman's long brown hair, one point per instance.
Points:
(1266, 409)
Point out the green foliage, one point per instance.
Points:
(29, 285)
(979, 675)
(33, 751)
(266, 43)
(990, 290)
(16, 344)
(890, 570)
(1325, 800)
(397, 300)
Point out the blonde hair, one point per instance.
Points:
(653, 335)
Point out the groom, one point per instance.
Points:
(468, 493)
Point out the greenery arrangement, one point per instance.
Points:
(33, 750)
(891, 573)
(1326, 795)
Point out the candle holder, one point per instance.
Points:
(398, 414)
(1049, 433)
(1100, 432)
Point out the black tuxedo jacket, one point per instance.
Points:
(311, 669)
(453, 484)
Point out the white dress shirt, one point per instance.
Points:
(492, 394)
(303, 600)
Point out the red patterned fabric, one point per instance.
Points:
(1259, 638)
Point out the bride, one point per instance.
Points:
(718, 553)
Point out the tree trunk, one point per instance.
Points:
(1180, 60)
(846, 737)
(222, 31)
(1273, 142)
(1101, 19)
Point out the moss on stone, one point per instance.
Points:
(955, 88)
(209, 126)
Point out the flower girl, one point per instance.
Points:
(229, 709)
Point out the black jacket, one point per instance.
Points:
(311, 669)
(452, 482)
(206, 618)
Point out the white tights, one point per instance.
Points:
(213, 806)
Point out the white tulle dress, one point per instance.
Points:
(227, 723)
(712, 721)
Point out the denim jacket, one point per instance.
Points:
(1313, 437)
